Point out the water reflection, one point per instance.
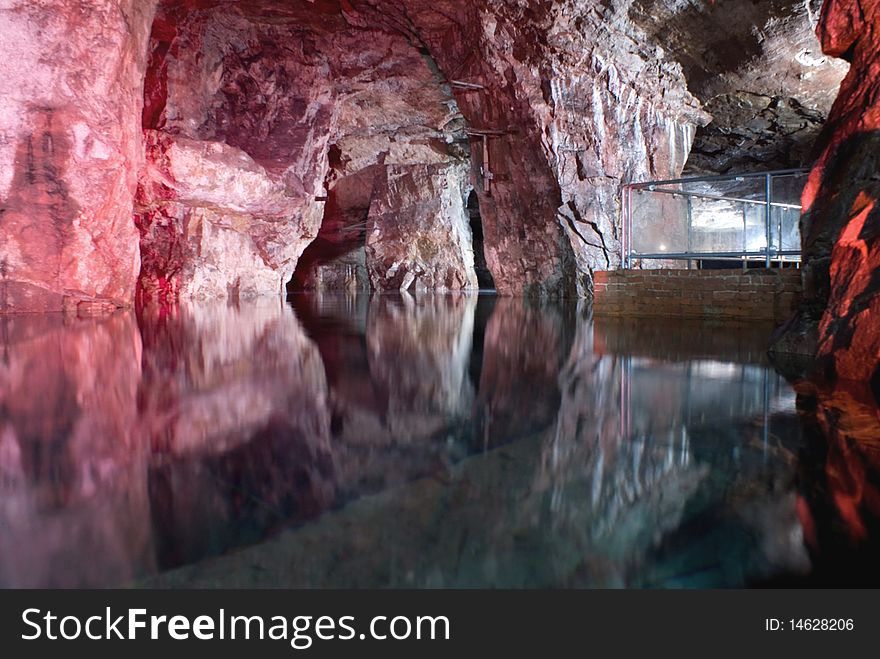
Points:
(399, 441)
(73, 489)
(233, 407)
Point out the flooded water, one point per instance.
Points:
(393, 441)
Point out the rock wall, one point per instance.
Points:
(71, 92)
(574, 102)
(758, 69)
(237, 130)
(841, 215)
(340, 104)
(259, 114)
(213, 222)
(418, 231)
(565, 101)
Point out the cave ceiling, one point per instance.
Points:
(754, 65)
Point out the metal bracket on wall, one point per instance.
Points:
(486, 168)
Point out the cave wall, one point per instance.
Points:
(253, 113)
(576, 101)
(758, 69)
(841, 214)
(573, 97)
(418, 229)
(290, 99)
(237, 125)
(69, 151)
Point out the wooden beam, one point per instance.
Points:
(466, 86)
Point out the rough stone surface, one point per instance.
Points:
(340, 105)
(237, 128)
(758, 69)
(418, 232)
(302, 111)
(214, 223)
(575, 100)
(71, 92)
(841, 215)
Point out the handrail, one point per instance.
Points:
(715, 178)
(741, 200)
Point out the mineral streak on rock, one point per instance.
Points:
(71, 84)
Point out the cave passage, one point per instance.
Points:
(336, 260)
(484, 275)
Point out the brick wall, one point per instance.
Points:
(753, 295)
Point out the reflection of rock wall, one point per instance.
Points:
(576, 501)
(840, 496)
(418, 350)
(205, 431)
(525, 345)
(234, 402)
(615, 481)
(73, 492)
(71, 81)
(399, 388)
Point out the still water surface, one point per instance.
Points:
(395, 441)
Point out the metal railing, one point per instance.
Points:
(748, 217)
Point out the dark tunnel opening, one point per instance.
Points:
(484, 275)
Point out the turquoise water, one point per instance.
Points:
(395, 441)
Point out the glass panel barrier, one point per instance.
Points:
(714, 218)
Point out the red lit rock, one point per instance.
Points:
(71, 80)
(841, 221)
(238, 126)
(257, 111)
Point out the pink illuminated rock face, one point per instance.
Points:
(254, 127)
(841, 221)
(236, 130)
(214, 223)
(240, 128)
(367, 103)
(69, 151)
